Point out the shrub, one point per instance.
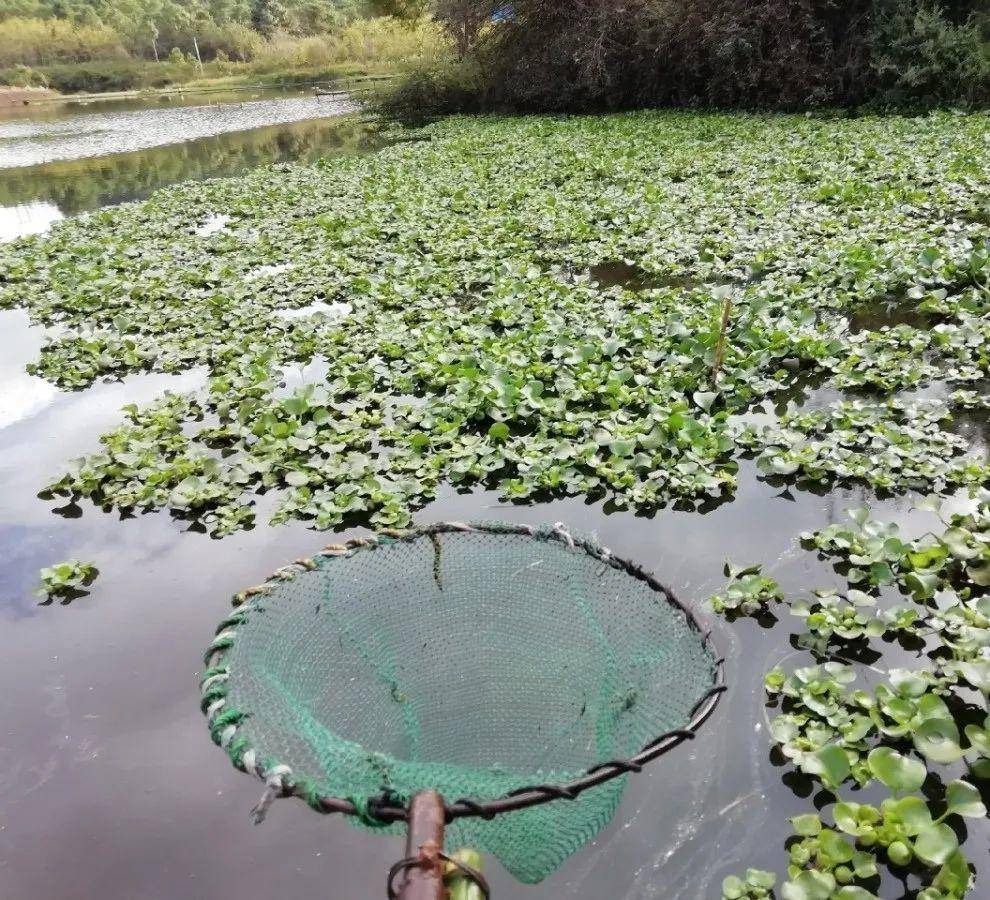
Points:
(382, 41)
(120, 75)
(429, 92)
(739, 53)
(576, 55)
(387, 40)
(235, 42)
(919, 56)
(34, 42)
(23, 76)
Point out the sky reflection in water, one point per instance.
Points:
(109, 784)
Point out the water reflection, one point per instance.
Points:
(889, 312)
(21, 395)
(38, 195)
(55, 110)
(631, 277)
(974, 425)
(32, 143)
(34, 217)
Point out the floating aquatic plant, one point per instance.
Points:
(65, 580)
(908, 725)
(480, 347)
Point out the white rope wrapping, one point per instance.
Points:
(562, 531)
(212, 680)
(275, 779)
(221, 639)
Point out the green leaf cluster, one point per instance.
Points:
(64, 579)
(462, 332)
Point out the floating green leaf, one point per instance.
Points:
(64, 580)
(896, 771)
(936, 844)
(962, 799)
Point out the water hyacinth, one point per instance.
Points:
(907, 726)
(481, 343)
(476, 340)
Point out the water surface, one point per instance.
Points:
(32, 142)
(109, 784)
(105, 169)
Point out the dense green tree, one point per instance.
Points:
(268, 16)
(401, 9)
(600, 54)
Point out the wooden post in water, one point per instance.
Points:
(424, 842)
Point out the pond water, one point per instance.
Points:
(31, 142)
(107, 765)
(67, 159)
(109, 784)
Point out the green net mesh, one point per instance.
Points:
(473, 662)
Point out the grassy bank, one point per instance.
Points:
(366, 47)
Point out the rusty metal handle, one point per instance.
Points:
(422, 869)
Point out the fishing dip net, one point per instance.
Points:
(520, 672)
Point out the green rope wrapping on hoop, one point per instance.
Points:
(476, 660)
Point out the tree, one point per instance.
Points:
(464, 19)
(400, 9)
(268, 16)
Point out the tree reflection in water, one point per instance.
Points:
(75, 186)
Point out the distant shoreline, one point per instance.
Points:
(21, 96)
(25, 96)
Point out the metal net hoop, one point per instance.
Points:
(367, 605)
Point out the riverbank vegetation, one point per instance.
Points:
(110, 46)
(530, 55)
(594, 55)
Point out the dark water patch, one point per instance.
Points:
(890, 312)
(974, 425)
(412, 139)
(631, 277)
(810, 390)
(975, 216)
